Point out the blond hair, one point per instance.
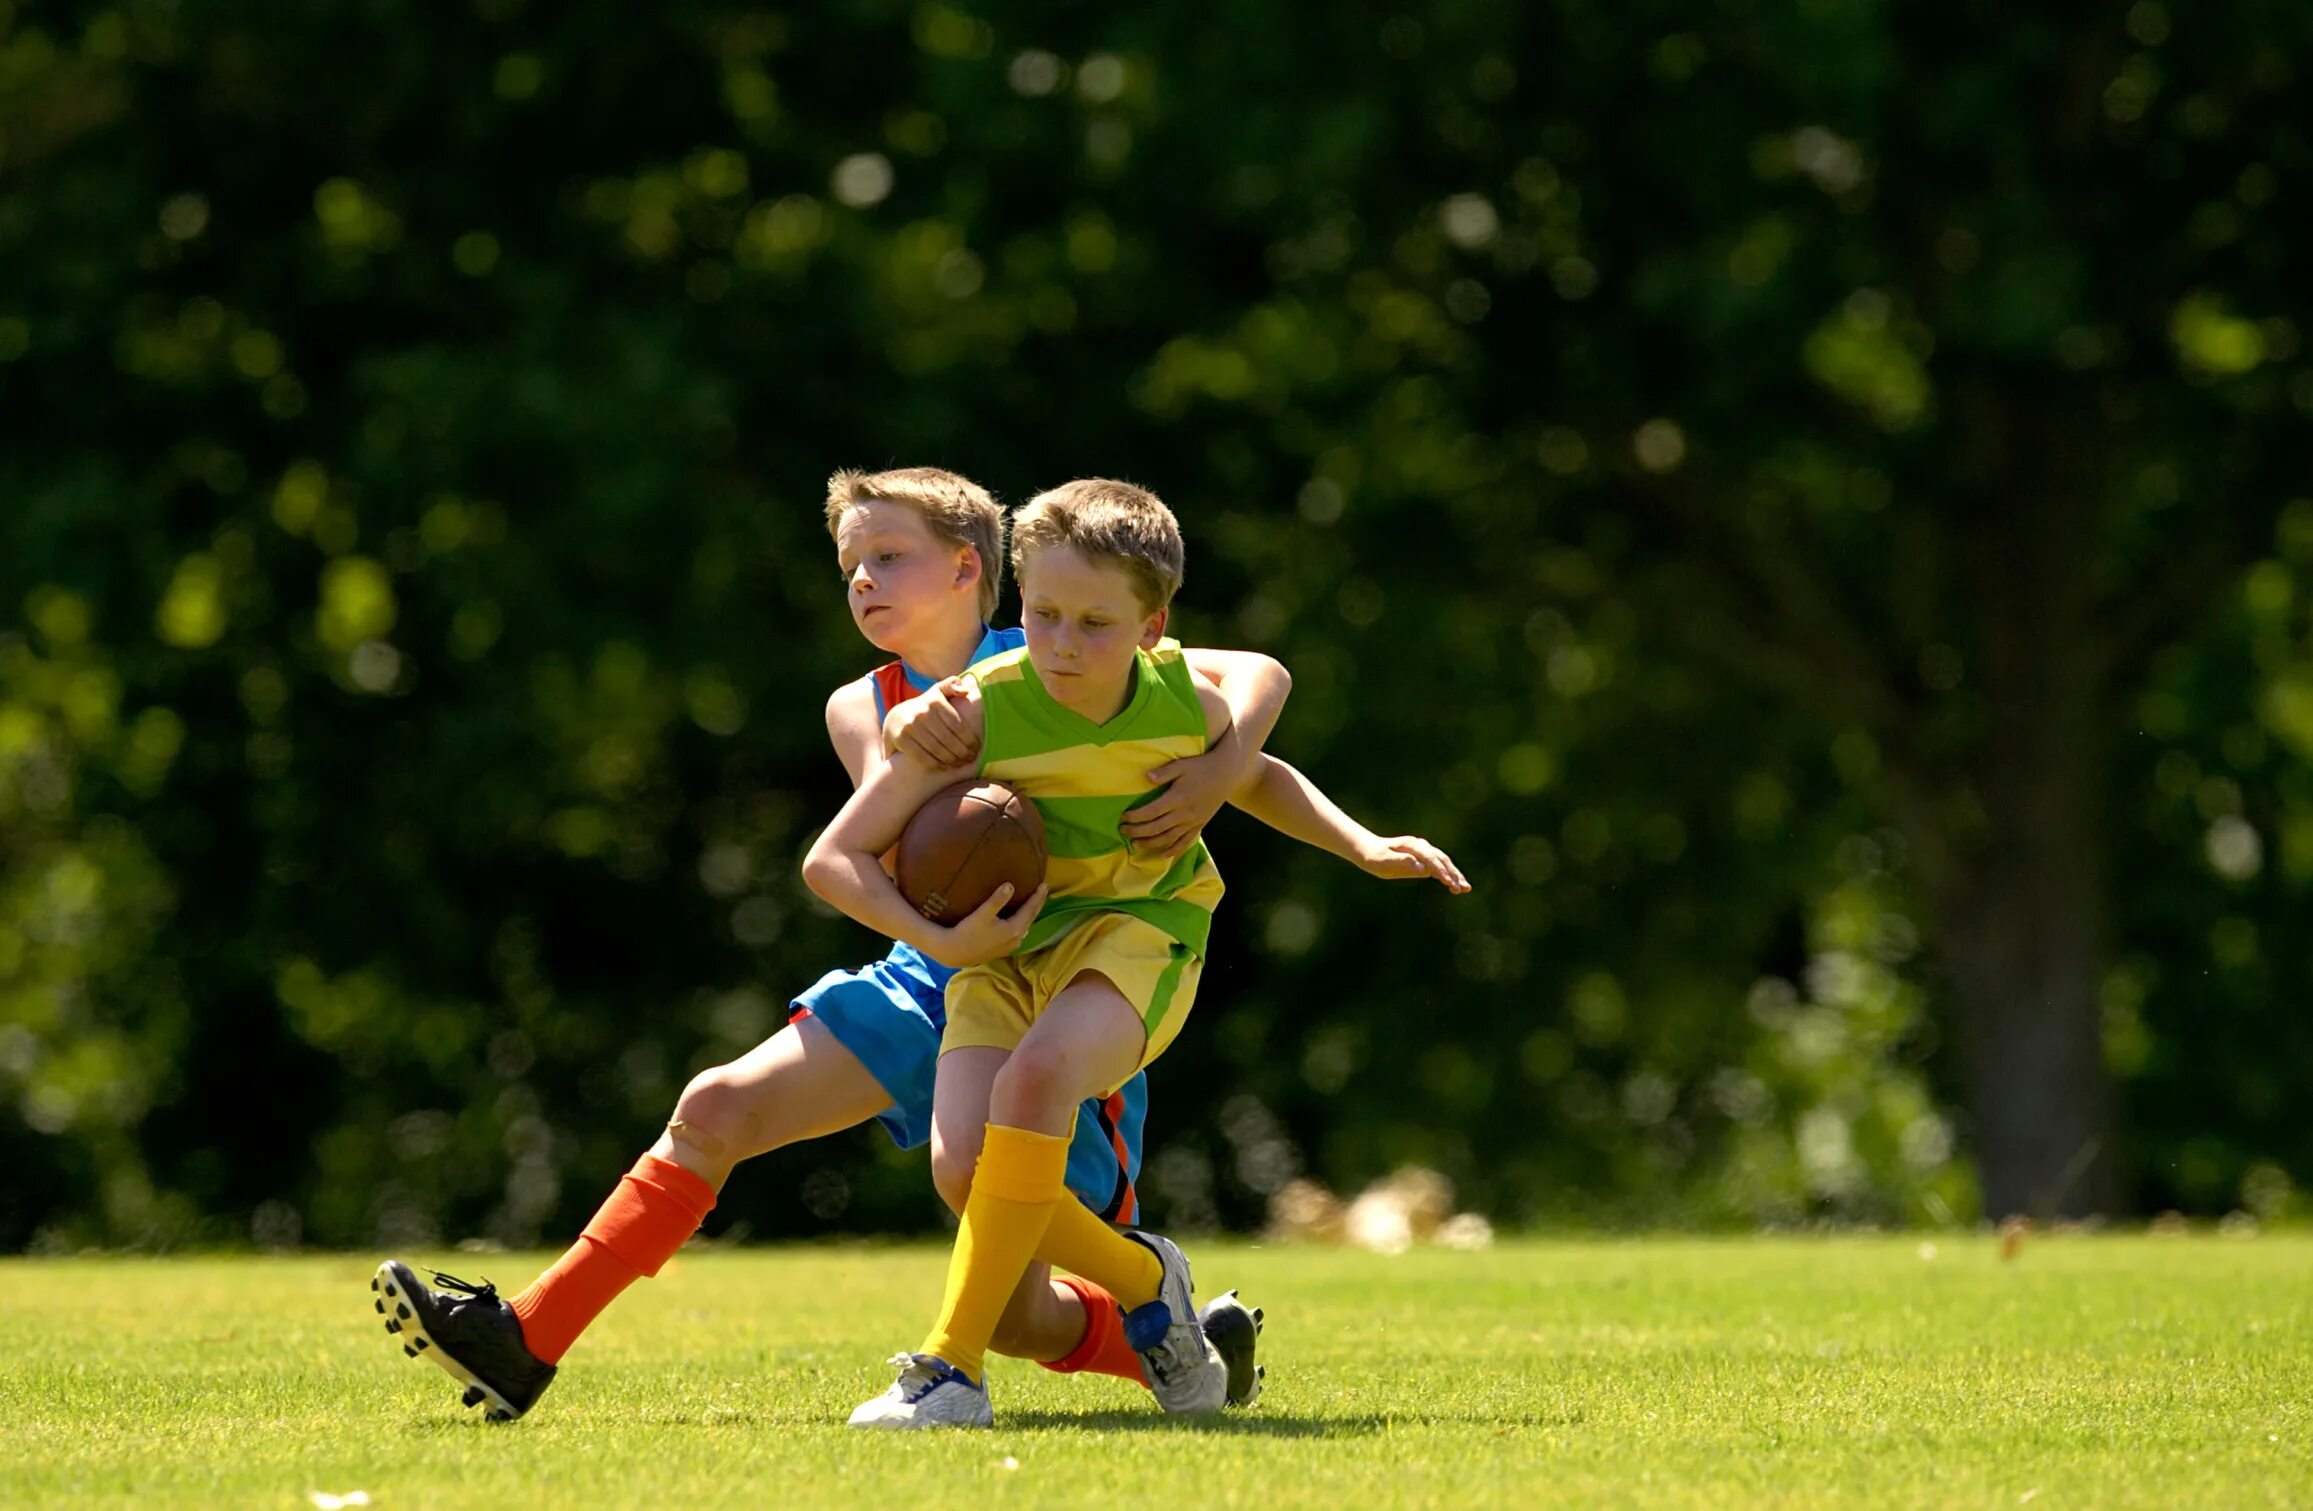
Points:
(1105, 520)
(956, 509)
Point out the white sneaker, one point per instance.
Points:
(1183, 1369)
(930, 1392)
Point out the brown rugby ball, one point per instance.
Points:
(964, 842)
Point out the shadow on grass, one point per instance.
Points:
(1255, 1424)
(1260, 1424)
(1279, 1425)
(1101, 1421)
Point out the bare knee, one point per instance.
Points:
(1033, 1078)
(717, 1117)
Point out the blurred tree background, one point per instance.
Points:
(1803, 501)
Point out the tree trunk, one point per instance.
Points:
(2023, 909)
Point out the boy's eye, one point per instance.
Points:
(1046, 614)
(887, 557)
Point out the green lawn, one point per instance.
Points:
(1864, 1371)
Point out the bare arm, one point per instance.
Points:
(1219, 721)
(1280, 796)
(1255, 686)
(852, 728)
(844, 867)
(1252, 688)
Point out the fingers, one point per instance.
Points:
(948, 729)
(1409, 856)
(1027, 911)
(1433, 862)
(990, 915)
(985, 915)
(986, 932)
(937, 734)
(1165, 773)
(1145, 823)
(1448, 872)
(1165, 841)
(1170, 821)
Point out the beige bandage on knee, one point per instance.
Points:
(698, 1138)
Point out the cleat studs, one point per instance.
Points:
(495, 1415)
(1260, 1319)
(373, 1283)
(409, 1352)
(392, 1326)
(473, 1396)
(425, 1343)
(379, 1305)
(402, 1311)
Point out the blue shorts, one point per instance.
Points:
(891, 1020)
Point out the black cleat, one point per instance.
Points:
(1234, 1330)
(470, 1332)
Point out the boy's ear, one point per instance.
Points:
(1154, 630)
(968, 566)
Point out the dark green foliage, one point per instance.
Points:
(1715, 469)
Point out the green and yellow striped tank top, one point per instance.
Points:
(1082, 777)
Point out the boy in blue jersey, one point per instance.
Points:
(921, 552)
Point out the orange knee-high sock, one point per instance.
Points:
(1014, 1190)
(657, 1207)
(1103, 1350)
(1079, 1241)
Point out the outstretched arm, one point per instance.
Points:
(844, 868)
(1255, 687)
(1288, 802)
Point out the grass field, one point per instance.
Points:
(1864, 1371)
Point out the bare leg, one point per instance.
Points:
(798, 1084)
(960, 1119)
(1044, 1320)
(1088, 1039)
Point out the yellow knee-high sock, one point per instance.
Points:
(1018, 1183)
(1078, 1241)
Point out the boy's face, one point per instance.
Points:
(902, 581)
(1084, 620)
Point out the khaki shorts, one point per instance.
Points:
(991, 1006)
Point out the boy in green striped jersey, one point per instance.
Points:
(1094, 973)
